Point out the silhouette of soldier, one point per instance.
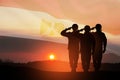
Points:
(73, 46)
(87, 42)
(100, 47)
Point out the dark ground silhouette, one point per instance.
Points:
(20, 71)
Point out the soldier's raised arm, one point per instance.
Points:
(64, 32)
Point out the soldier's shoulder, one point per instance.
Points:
(102, 33)
(93, 32)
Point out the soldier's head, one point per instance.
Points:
(75, 27)
(87, 28)
(98, 27)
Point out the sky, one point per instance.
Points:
(44, 19)
(89, 12)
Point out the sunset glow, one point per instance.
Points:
(52, 57)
